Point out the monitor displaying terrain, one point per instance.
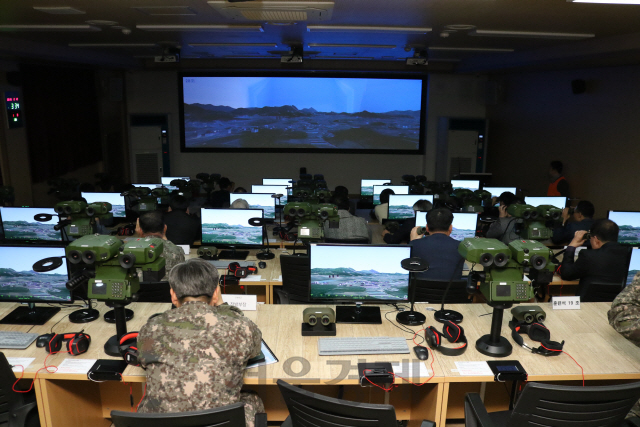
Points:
(272, 189)
(497, 191)
(230, 227)
(18, 224)
(366, 185)
(634, 265)
(301, 113)
(116, 200)
(359, 272)
(558, 202)
(401, 205)
(629, 224)
(258, 201)
(166, 181)
(397, 189)
(464, 225)
(469, 184)
(18, 281)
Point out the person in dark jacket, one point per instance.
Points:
(606, 263)
(404, 232)
(222, 197)
(182, 228)
(582, 219)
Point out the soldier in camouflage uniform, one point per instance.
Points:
(624, 316)
(195, 354)
(151, 224)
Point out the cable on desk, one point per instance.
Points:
(581, 369)
(403, 328)
(13, 387)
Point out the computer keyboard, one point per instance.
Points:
(17, 340)
(224, 264)
(362, 345)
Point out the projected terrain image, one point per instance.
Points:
(29, 285)
(293, 112)
(629, 234)
(31, 230)
(462, 233)
(348, 283)
(231, 234)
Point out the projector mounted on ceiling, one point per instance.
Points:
(274, 10)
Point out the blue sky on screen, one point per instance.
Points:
(254, 199)
(23, 258)
(635, 260)
(347, 95)
(558, 202)
(464, 221)
(625, 218)
(229, 216)
(397, 189)
(497, 191)
(113, 198)
(383, 259)
(26, 214)
(421, 219)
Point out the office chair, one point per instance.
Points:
(558, 406)
(16, 409)
(599, 292)
(296, 279)
(225, 416)
(349, 241)
(154, 292)
(307, 409)
(432, 291)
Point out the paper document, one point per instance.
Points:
(252, 278)
(412, 369)
(474, 368)
(22, 361)
(269, 357)
(75, 366)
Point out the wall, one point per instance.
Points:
(156, 92)
(595, 134)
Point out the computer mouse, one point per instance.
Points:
(422, 353)
(43, 340)
(262, 264)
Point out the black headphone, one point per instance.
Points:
(452, 332)
(77, 343)
(537, 332)
(240, 272)
(129, 348)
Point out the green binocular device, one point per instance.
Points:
(528, 313)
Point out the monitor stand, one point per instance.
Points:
(233, 254)
(30, 315)
(358, 314)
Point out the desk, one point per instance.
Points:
(66, 399)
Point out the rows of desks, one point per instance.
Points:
(605, 356)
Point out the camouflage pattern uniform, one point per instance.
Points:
(195, 357)
(624, 316)
(173, 255)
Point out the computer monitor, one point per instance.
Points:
(464, 224)
(366, 186)
(401, 205)
(166, 181)
(469, 184)
(397, 189)
(19, 226)
(151, 186)
(358, 273)
(272, 189)
(116, 200)
(629, 224)
(19, 283)
(230, 228)
(634, 265)
(497, 191)
(558, 202)
(258, 201)
(278, 181)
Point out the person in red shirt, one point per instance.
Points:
(559, 185)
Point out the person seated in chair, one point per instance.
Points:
(606, 262)
(438, 249)
(195, 355)
(582, 219)
(351, 227)
(151, 224)
(503, 228)
(182, 228)
(404, 232)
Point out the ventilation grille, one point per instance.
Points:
(459, 165)
(147, 167)
(274, 15)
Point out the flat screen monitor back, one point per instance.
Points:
(19, 225)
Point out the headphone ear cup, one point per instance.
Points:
(452, 332)
(55, 343)
(78, 344)
(432, 336)
(537, 332)
(553, 345)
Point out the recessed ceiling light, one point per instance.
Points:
(233, 44)
(59, 10)
(371, 29)
(531, 34)
(367, 46)
(470, 49)
(48, 27)
(606, 1)
(200, 28)
(460, 27)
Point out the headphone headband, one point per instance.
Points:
(453, 333)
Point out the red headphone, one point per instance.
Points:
(452, 332)
(77, 343)
(129, 348)
(240, 272)
(537, 332)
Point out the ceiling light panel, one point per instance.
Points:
(48, 27)
(254, 28)
(59, 10)
(368, 29)
(275, 10)
(531, 34)
(166, 10)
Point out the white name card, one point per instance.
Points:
(565, 303)
(185, 248)
(243, 302)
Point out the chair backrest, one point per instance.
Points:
(225, 416)
(154, 292)
(600, 292)
(309, 409)
(8, 398)
(432, 291)
(296, 276)
(557, 405)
